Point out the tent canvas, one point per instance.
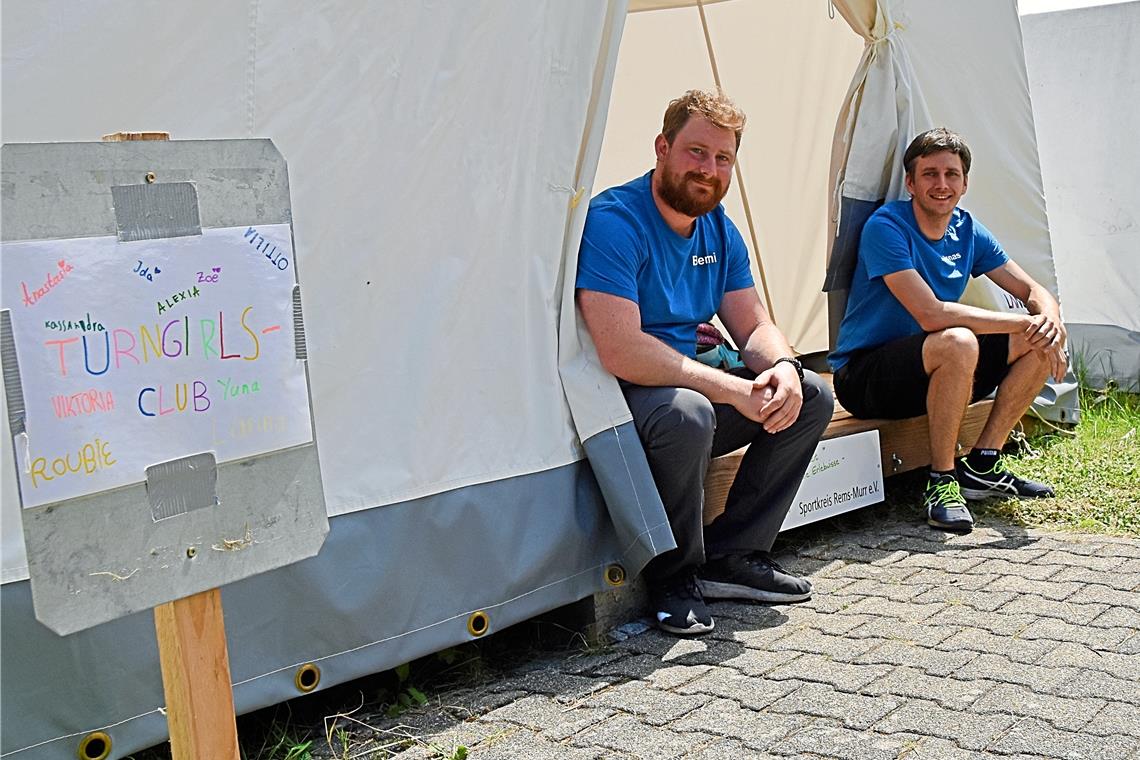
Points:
(438, 161)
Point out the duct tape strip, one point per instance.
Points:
(299, 325)
(149, 212)
(12, 386)
(182, 485)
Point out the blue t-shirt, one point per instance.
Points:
(892, 242)
(629, 251)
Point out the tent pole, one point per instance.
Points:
(739, 176)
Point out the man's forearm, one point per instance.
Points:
(644, 360)
(765, 345)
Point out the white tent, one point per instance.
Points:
(1084, 73)
(439, 156)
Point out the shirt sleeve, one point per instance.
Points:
(739, 270)
(988, 253)
(609, 256)
(884, 247)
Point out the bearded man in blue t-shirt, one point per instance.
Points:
(906, 347)
(659, 257)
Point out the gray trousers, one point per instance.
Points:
(681, 429)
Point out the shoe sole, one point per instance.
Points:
(718, 590)
(695, 630)
(971, 494)
(952, 527)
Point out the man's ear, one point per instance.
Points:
(965, 183)
(908, 182)
(661, 147)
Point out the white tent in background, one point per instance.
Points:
(1084, 75)
(437, 158)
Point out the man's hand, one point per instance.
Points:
(1044, 333)
(1058, 358)
(775, 399)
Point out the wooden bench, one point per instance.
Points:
(903, 445)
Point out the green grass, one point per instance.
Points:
(1094, 468)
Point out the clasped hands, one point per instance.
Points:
(1048, 337)
(773, 399)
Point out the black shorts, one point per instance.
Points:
(889, 381)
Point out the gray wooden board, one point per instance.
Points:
(104, 555)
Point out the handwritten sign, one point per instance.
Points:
(844, 474)
(133, 353)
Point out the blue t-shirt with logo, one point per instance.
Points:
(629, 251)
(892, 242)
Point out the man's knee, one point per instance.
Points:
(688, 419)
(954, 346)
(819, 401)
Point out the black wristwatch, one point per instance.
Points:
(794, 362)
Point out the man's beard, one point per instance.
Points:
(676, 194)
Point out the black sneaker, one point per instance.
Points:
(998, 481)
(753, 576)
(679, 606)
(945, 507)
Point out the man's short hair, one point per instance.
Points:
(714, 106)
(935, 141)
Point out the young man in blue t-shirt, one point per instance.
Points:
(906, 347)
(658, 258)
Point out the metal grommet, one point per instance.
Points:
(308, 677)
(191, 552)
(615, 575)
(150, 178)
(95, 746)
(478, 623)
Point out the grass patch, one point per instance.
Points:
(1094, 468)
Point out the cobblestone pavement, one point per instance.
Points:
(1008, 643)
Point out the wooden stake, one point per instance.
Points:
(196, 677)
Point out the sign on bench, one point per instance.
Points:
(845, 474)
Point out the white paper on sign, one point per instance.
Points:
(844, 474)
(136, 353)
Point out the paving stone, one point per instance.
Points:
(848, 552)
(549, 717)
(1123, 579)
(758, 662)
(968, 730)
(933, 662)
(1115, 718)
(1012, 647)
(892, 574)
(814, 667)
(826, 585)
(1000, 623)
(1121, 547)
(1080, 656)
(840, 648)
(533, 747)
(914, 633)
(1036, 737)
(1129, 598)
(897, 591)
(853, 710)
(468, 734)
(951, 693)
(1064, 713)
(820, 739)
(1090, 636)
(588, 664)
(956, 564)
(628, 734)
(755, 693)
(986, 600)
(933, 748)
(724, 717)
(1093, 683)
(747, 614)
(567, 687)
(908, 612)
(970, 581)
(1118, 617)
(1087, 561)
(654, 706)
(835, 624)
(1050, 589)
(728, 748)
(1033, 571)
(1071, 611)
(834, 603)
(994, 667)
(1131, 645)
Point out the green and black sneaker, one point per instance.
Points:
(945, 507)
(996, 480)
